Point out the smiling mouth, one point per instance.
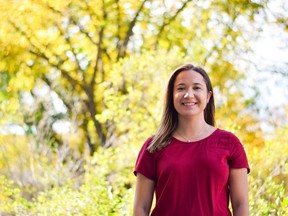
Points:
(188, 103)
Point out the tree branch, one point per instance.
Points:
(68, 41)
(129, 33)
(73, 21)
(44, 56)
(98, 57)
(65, 73)
(62, 97)
(168, 21)
(118, 25)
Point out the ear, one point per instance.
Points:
(209, 94)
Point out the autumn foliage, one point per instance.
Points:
(82, 85)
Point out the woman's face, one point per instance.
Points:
(190, 95)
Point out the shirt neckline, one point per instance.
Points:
(196, 141)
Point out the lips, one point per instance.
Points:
(189, 103)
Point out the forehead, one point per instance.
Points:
(189, 76)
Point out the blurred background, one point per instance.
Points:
(82, 83)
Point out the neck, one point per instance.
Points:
(191, 125)
(192, 129)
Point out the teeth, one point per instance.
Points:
(189, 104)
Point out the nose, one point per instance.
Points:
(189, 93)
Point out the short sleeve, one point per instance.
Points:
(238, 157)
(145, 163)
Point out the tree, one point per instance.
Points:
(70, 47)
(101, 66)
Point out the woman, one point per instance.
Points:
(192, 167)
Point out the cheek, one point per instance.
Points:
(176, 96)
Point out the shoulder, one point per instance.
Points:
(227, 134)
(146, 144)
(144, 153)
(148, 141)
(228, 139)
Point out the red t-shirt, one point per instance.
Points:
(191, 179)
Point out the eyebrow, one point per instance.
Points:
(182, 84)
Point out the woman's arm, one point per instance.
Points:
(143, 195)
(238, 184)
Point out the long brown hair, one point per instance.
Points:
(169, 120)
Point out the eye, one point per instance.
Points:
(196, 88)
(180, 88)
